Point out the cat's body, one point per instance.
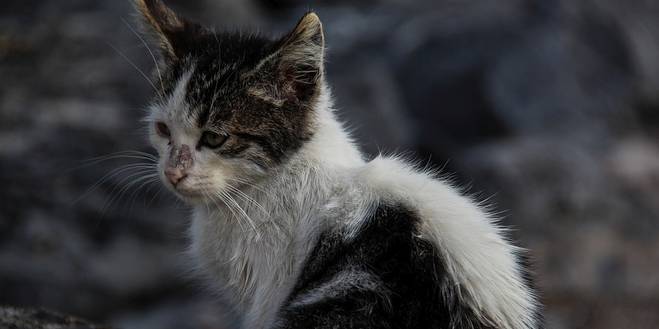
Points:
(292, 227)
(373, 219)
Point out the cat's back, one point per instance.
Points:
(421, 256)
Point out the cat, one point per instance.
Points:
(291, 226)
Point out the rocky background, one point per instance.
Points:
(548, 108)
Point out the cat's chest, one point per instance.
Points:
(252, 272)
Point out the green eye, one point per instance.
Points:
(212, 140)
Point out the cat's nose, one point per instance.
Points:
(174, 175)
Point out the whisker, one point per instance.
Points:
(130, 176)
(153, 178)
(115, 197)
(137, 155)
(155, 195)
(246, 197)
(155, 62)
(229, 207)
(242, 211)
(97, 160)
(250, 184)
(276, 225)
(124, 153)
(203, 193)
(113, 173)
(146, 77)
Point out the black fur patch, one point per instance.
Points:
(397, 280)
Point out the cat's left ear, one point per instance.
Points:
(174, 34)
(296, 66)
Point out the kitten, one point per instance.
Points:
(291, 226)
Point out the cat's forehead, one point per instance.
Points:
(171, 105)
(220, 56)
(191, 98)
(207, 84)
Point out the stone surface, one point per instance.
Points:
(14, 318)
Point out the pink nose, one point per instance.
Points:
(174, 175)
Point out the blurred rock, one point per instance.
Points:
(588, 216)
(41, 319)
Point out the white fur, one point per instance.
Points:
(253, 255)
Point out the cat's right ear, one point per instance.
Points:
(173, 33)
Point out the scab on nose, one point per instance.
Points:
(180, 161)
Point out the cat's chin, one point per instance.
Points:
(190, 198)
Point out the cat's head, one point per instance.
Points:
(230, 108)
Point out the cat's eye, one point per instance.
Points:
(163, 130)
(212, 140)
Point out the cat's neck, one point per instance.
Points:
(331, 147)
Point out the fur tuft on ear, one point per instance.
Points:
(303, 49)
(173, 33)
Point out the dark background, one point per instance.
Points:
(548, 108)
